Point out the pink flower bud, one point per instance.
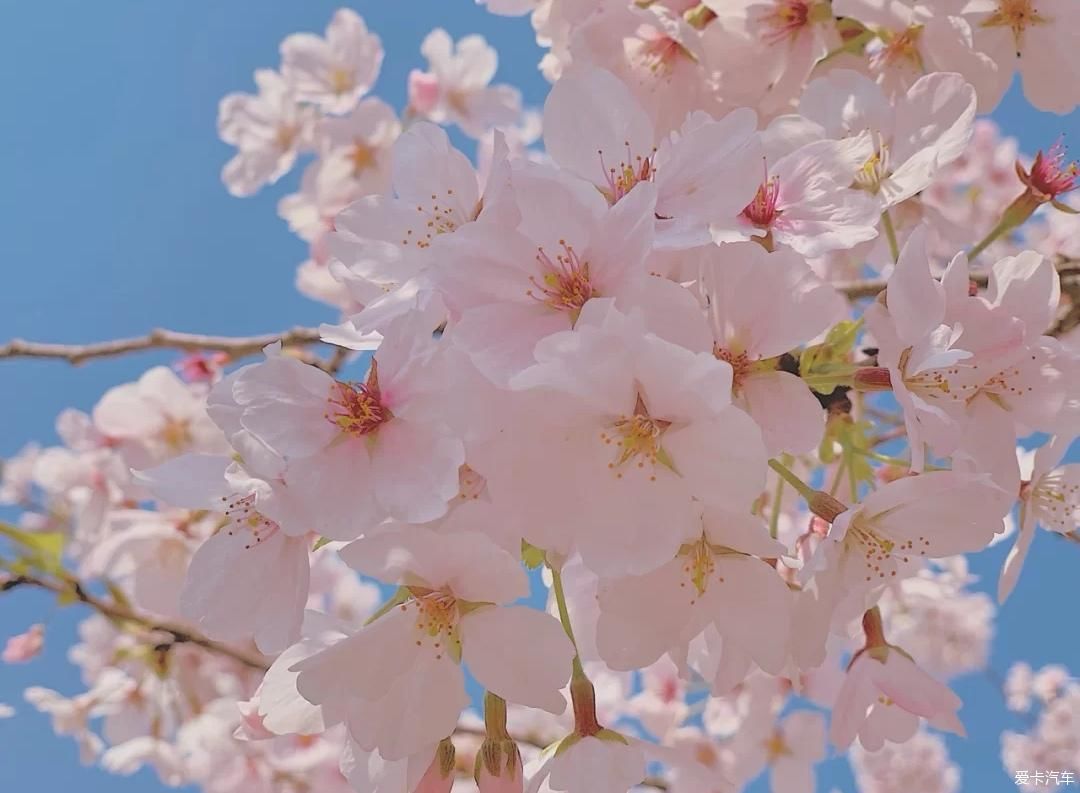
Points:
(439, 777)
(508, 781)
(423, 91)
(25, 646)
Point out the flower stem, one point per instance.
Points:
(564, 615)
(789, 476)
(873, 629)
(890, 235)
(774, 513)
(495, 715)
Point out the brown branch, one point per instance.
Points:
(236, 346)
(177, 634)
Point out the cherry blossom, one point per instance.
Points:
(447, 619)
(335, 71)
(456, 90)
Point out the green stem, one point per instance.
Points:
(890, 235)
(897, 461)
(789, 476)
(564, 616)
(774, 513)
(840, 469)
(1015, 215)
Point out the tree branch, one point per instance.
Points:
(178, 634)
(235, 346)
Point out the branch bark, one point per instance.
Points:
(236, 346)
(175, 633)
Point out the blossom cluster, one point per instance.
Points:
(727, 379)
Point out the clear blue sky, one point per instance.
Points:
(114, 221)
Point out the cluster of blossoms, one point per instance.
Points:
(639, 378)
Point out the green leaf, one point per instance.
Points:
(320, 543)
(43, 550)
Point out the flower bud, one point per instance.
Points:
(439, 777)
(498, 767)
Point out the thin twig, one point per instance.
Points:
(236, 346)
(179, 634)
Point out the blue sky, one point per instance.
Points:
(115, 221)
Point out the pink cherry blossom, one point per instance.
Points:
(703, 172)
(447, 618)
(268, 129)
(456, 90)
(882, 699)
(24, 647)
(336, 70)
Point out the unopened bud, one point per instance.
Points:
(498, 767)
(439, 777)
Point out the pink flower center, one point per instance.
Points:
(242, 516)
(437, 616)
(879, 553)
(1050, 175)
(785, 20)
(898, 49)
(1055, 499)
(357, 408)
(762, 211)
(741, 365)
(564, 283)
(622, 178)
(656, 51)
(1018, 16)
(699, 565)
(637, 438)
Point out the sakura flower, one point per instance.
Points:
(782, 39)
(883, 697)
(71, 716)
(624, 427)
(1016, 381)
(913, 38)
(921, 131)
(364, 140)
(590, 764)
(920, 763)
(1050, 496)
(268, 130)
(24, 647)
(759, 306)
(430, 770)
(385, 242)
(156, 417)
(456, 90)
(251, 578)
(806, 200)
(1034, 37)
(400, 676)
(512, 286)
(128, 757)
(920, 353)
(613, 145)
(6, 711)
(655, 52)
(643, 616)
(356, 452)
(335, 71)
(925, 516)
(789, 749)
